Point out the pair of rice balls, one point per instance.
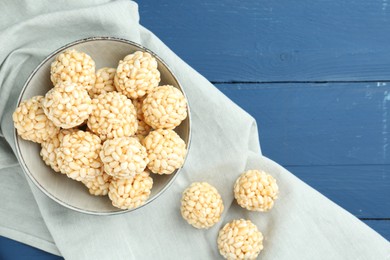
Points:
(80, 97)
(202, 207)
(135, 76)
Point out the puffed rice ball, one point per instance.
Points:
(104, 82)
(132, 192)
(123, 157)
(31, 122)
(165, 107)
(166, 151)
(78, 156)
(49, 148)
(74, 66)
(201, 205)
(113, 115)
(67, 105)
(137, 74)
(143, 127)
(240, 239)
(256, 190)
(98, 186)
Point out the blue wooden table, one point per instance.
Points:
(315, 75)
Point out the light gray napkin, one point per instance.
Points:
(302, 225)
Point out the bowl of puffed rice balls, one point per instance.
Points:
(102, 126)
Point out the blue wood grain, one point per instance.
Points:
(363, 190)
(276, 40)
(319, 124)
(12, 250)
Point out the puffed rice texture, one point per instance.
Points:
(140, 138)
(98, 186)
(31, 122)
(256, 190)
(201, 205)
(240, 239)
(143, 127)
(137, 74)
(50, 146)
(74, 66)
(166, 151)
(123, 157)
(104, 82)
(113, 115)
(78, 155)
(67, 105)
(165, 107)
(132, 192)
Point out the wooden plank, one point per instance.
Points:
(319, 124)
(380, 226)
(276, 40)
(11, 249)
(363, 190)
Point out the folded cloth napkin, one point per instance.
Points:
(302, 225)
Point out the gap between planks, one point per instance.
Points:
(330, 165)
(376, 219)
(299, 81)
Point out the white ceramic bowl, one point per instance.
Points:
(106, 51)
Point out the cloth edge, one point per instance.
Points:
(340, 208)
(30, 240)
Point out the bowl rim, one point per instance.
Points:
(25, 168)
